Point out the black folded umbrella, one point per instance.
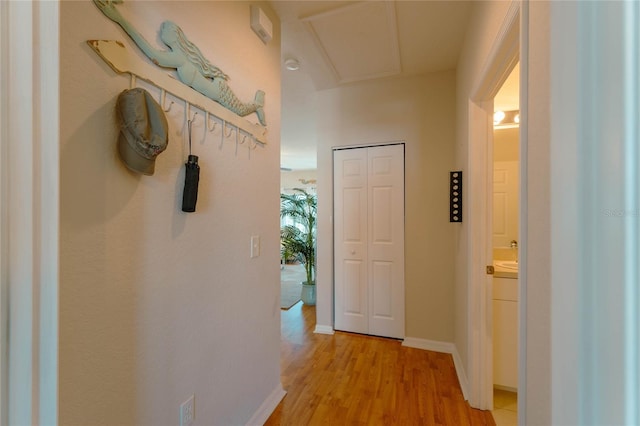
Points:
(191, 179)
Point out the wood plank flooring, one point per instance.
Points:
(351, 379)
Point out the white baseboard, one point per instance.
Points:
(266, 409)
(428, 345)
(461, 372)
(324, 329)
(447, 348)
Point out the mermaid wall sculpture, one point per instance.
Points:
(192, 67)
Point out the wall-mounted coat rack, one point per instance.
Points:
(115, 54)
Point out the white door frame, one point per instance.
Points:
(4, 198)
(502, 58)
(29, 218)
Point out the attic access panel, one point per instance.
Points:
(358, 41)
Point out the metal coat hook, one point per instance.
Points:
(224, 124)
(236, 143)
(207, 119)
(187, 114)
(189, 123)
(230, 131)
(163, 98)
(132, 82)
(252, 145)
(244, 138)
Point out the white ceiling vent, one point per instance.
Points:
(368, 28)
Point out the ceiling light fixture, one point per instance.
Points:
(292, 64)
(506, 119)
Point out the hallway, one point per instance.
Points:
(355, 379)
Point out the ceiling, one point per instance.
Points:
(343, 42)
(508, 97)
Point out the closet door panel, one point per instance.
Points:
(350, 241)
(386, 240)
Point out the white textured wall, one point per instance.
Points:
(156, 304)
(421, 112)
(537, 347)
(594, 208)
(297, 179)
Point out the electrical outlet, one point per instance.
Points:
(188, 411)
(255, 246)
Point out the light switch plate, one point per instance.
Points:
(188, 411)
(255, 246)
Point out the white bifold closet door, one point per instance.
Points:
(369, 240)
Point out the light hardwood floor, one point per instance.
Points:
(352, 379)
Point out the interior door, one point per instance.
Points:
(505, 200)
(386, 240)
(350, 240)
(369, 240)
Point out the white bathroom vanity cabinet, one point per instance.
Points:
(505, 333)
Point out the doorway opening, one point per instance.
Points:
(293, 227)
(501, 60)
(505, 164)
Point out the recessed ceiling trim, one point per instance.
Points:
(321, 49)
(387, 59)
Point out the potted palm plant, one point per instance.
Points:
(299, 239)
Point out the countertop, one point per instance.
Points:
(500, 272)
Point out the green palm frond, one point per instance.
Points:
(300, 241)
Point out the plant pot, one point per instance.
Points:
(308, 294)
